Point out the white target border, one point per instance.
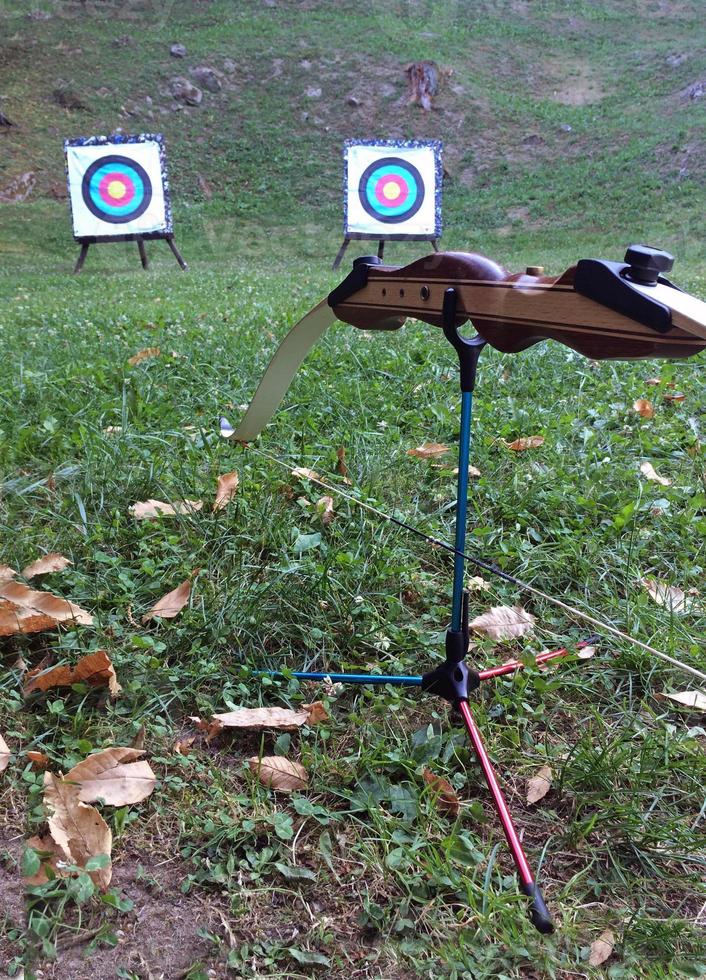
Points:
(425, 155)
(156, 222)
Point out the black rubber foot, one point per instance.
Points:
(539, 913)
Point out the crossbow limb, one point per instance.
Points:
(604, 310)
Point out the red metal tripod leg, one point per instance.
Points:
(539, 914)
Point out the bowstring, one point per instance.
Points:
(487, 567)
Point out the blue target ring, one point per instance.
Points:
(391, 190)
(116, 189)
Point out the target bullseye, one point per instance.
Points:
(391, 190)
(116, 189)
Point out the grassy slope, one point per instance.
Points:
(620, 826)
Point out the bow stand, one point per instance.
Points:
(601, 309)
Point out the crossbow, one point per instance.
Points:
(602, 309)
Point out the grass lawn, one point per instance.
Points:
(364, 873)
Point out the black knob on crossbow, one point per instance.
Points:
(647, 264)
(367, 260)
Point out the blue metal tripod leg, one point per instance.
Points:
(306, 675)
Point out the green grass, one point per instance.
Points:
(398, 890)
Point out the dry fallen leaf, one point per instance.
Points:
(143, 355)
(38, 759)
(676, 396)
(94, 669)
(644, 407)
(52, 856)
(669, 596)
(538, 786)
(4, 754)
(7, 573)
(113, 776)
(79, 830)
(650, 473)
(149, 510)
(171, 604)
(184, 745)
(585, 653)
(279, 773)
(324, 507)
(525, 442)
(44, 603)
(690, 699)
(283, 719)
(503, 622)
(304, 473)
(14, 619)
(428, 450)
(53, 562)
(446, 798)
(210, 727)
(341, 464)
(653, 381)
(601, 948)
(227, 485)
(476, 583)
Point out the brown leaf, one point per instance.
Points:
(4, 754)
(676, 396)
(79, 830)
(149, 510)
(138, 741)
(227, 485)
(113, 776)
(324, 507)
(585, 653)
(644, 407)
(171, 604)
(601, 948)
(51, 856)
(446, 798)
(428, 450)
(279, 773)
(669, 596)
(538, 786)
(39, 760)
(690, 699)
(504, 622)
(52, 562)
(43, 603)
(283, 719)
(7, 573)
(341, 464)
(523, 443)
(14, 619)
(95, 669)
(304, 473)
(650, 473)
(184, 745)
(143, 355)
(211, 727)
(653, 381)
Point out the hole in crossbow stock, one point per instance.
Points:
(401, 292)
(424, 292)
(384, 291)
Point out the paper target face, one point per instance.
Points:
(118, 188)
(392, 189)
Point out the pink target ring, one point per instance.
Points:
(116, 189)
(391, 191)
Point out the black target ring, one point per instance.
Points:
(135, 180)
(407, 178)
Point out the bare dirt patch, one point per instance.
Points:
(572, 82)
(12, 819)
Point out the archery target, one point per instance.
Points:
(117, 188)
(392, 190)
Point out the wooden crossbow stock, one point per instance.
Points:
(604, 310)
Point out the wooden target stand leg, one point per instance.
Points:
(381, 248)
(86, 243)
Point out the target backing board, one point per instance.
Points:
(392, 189)
(118, 187)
